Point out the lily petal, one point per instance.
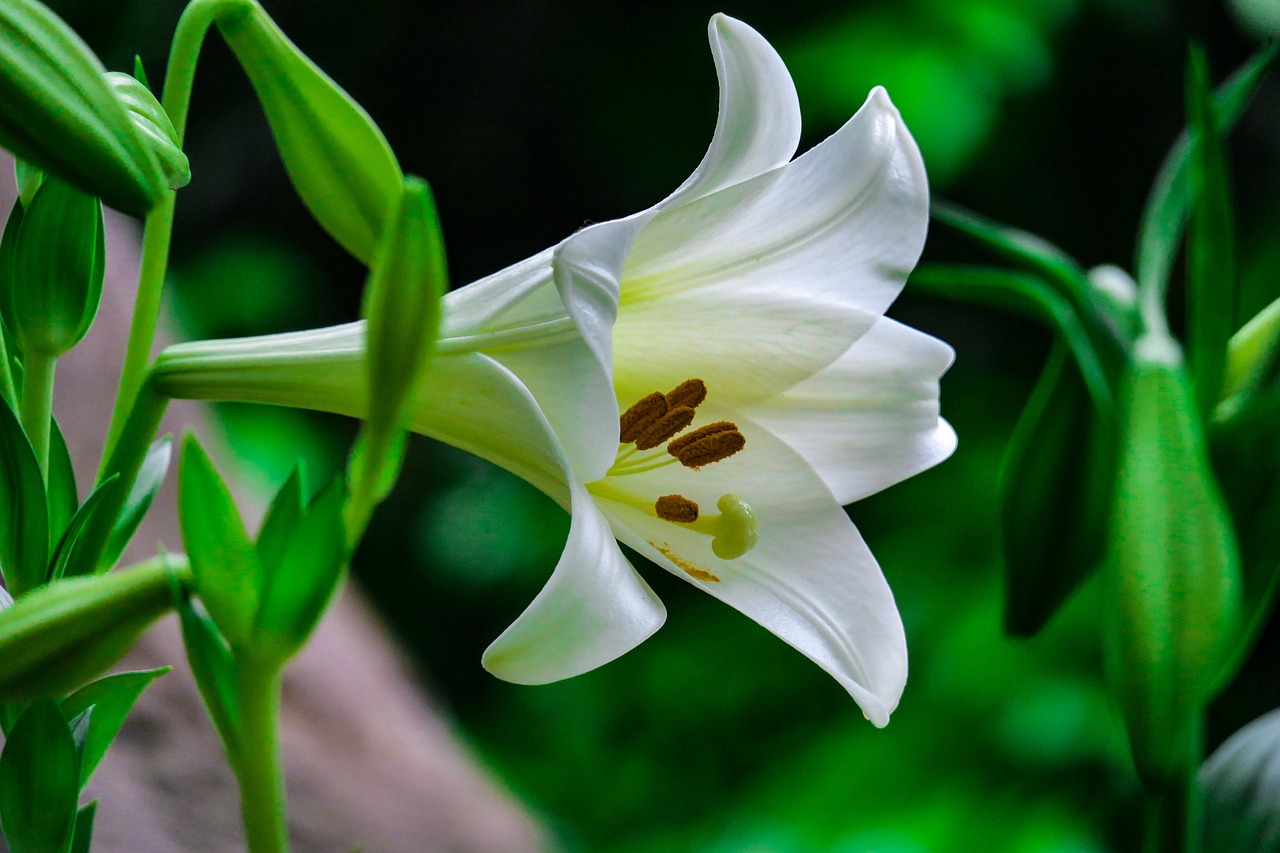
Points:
(806, 257)
(870, 419)
(501, 300)
(594, 608)
(758, 126)
(810, 578)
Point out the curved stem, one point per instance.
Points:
(158, 231)
(37, 403)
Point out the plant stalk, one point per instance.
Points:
(37, 403)
(256, 758)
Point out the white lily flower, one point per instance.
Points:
(738, 326)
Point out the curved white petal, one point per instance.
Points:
(810, 579)
(870, 419)
(510, 297)
(762, 284)
(758, 126)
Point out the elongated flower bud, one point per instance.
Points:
(1173, 576)
(58, 111)
(58, 637)
(337, 158)
(54, 275)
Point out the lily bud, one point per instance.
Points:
(1251, 353)
(1173, 575)
(51, 289)
(337, 158)
(153, 126)
(56, 638)
(58, 112)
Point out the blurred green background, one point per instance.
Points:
(531, 118)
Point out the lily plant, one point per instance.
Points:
(706, 381)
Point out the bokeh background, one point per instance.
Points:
(531, 118)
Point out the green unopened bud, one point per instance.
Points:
(51, 289)
(60, 636)
(1173, 576)
(337, 158)
(402, 306)
(153, 126)
(1251, 355)
(58, 111)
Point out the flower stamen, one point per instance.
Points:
(707, 444)
(644, 414)
(676, 508)
(664, 428)
(690, 392)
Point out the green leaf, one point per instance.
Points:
(84, 828)
(1211, 267)
(153, 127)
(212, 665)
(281, 521)
(55, 281)
(66, 633)
(337, 158)
(1024, 293)
(1173, 578)
(74, 555)
(39, 782)
(1251, 357)
(24, 525)
(301, 577)
(223, 560)
(63, 497)
(1166, 212)
(111, 699)
(28, 178)
(150, 478)
(1054, 496)
(58, 113)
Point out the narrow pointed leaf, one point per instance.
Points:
(1160, 232)
(24, 525)
(300, 581)
(74, 555)
(111, 699)
(212, 665)
(153, 127)
(63, 497)
(223, 561)
(1173, 578)
(39, 782)
(150, 478)
(1055, 489)
(337, 158)
(28, 178)
(1211, 275)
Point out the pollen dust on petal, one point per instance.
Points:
(689, 568)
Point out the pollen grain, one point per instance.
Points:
(688, 568)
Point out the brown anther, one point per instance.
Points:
(689, 393)
(695, 451)
(700, 433)
(676, 508)
(665, 427)
(641, 416)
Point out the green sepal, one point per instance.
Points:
(39, 782)
(1055, 489)
(336, 157)
(24, 523)
(1159, 233)
(58, 112)
(55, 280)
(154, 127)
(63, 496)
(224, 564)
(1212, 284)
(1173, 573)
(59, 637)
(301, 571)
(74, 555)
(111, 699)
(28, 178)
(150, 477)
(84, 828)
(212, 664)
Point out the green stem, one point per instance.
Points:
(257, 761)
(37, 403)
(1171, 809)
(158, 233)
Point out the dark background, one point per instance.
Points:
(530, 118)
